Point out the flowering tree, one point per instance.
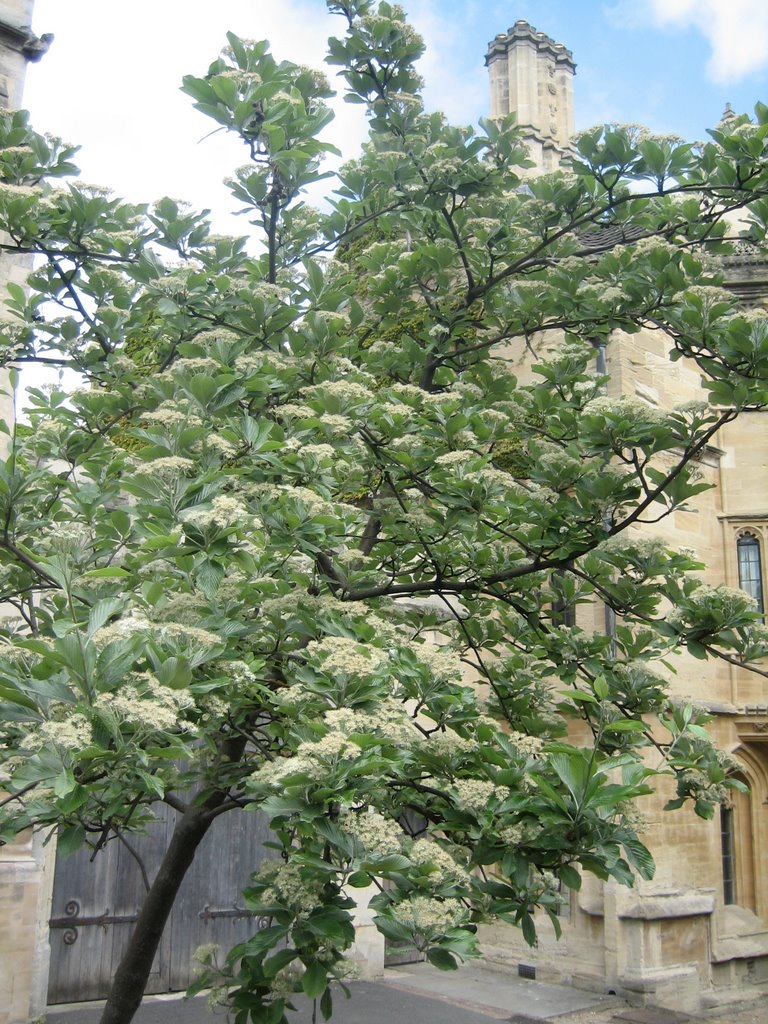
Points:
(302, 542)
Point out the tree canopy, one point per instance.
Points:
(300, 541)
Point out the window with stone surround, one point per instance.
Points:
(745, 554)
(728, 855)
(750, 566)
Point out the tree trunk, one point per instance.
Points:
(131, 976)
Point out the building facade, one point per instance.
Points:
(696, 935)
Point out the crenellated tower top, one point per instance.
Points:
(532, 75)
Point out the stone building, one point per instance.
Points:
(696, 936)
(26, 867)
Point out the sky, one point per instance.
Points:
(111, 78)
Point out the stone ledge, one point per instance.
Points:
(649, 980)
(739, 947)
(674, 905)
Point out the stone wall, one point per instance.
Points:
(26, 865)
(672, 941)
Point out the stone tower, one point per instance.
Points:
(532, 75)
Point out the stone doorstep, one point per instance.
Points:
(652, 1015)
(498, 994)
(492, 1012)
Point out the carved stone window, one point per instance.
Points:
(750, 567)
(728, 855)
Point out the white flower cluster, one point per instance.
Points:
(474, 795)
(652, 244)
(727, 602)
(626, 407)
(219, 444)
(258, 362)
(336, 425)
(457, 458)
(346, 391)
(389, 719)
(319, 452)
(286, 885)
(121, 629)
(148, 704)
(292, 410)
(528, 746)
(225, 510)
(313, 758)
(430, 917)
(379, 835)
(428, 853)
(447, 743)
(169, 414)
(338, 655)
(167, 467)
(71, 733)
(511, 835)
(10, 192)
(444, 663)
(193, 365)
(193, 636)
(710, 295)
(696, 783)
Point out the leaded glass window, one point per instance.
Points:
(750, 568)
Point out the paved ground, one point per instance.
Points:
(419, 994)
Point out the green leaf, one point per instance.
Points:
(573, 769)
(102, 611)
(697, 650)
(69, 840)
(264, 939)
(175, 673)
(601, 687)
(392, 929)
(326, 1004)
(570, 877)
(392, 862)
(359, 880)
(277, 962)
(314, 981)
(625, 725)
(639, 856)
(64, 784)
(112, 572)
(202, 388)
(529, 929)
(209, 577)
(442, 959)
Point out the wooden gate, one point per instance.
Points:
(96, 902)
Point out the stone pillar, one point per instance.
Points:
(368, 949)
(26, 866)
(26, 882)
(532, 75)
(18, 45)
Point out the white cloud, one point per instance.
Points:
(737, 31)
(111, 81)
